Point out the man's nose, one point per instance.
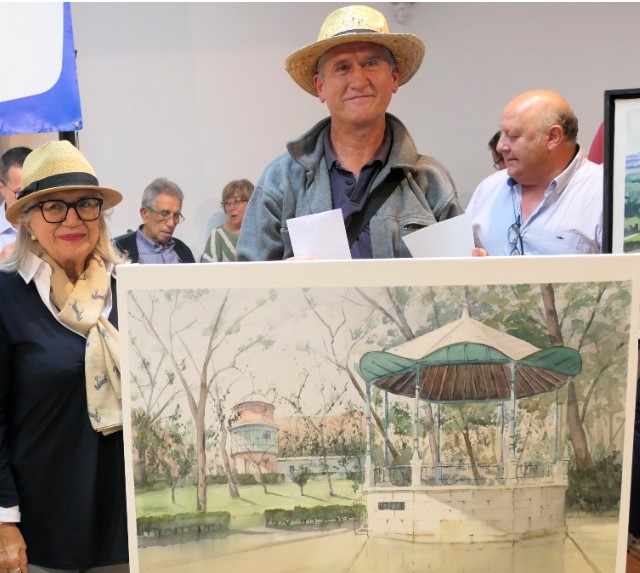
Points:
(359, 76)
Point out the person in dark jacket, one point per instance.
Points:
(153, 242)
(62, 479)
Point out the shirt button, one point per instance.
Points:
(350, 181)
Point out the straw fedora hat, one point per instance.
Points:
(57, 166)
(355, 24)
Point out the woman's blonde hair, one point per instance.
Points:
(242, 187)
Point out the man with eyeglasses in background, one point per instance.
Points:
(10, 177)
(548, 200)
(496, 156)
(153, 242)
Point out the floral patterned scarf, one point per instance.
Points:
(81, 308)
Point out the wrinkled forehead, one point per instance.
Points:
(369, 48)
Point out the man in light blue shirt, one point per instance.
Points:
(548, 200)
(10, 177)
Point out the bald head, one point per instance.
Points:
(544, 109)
(538, 136)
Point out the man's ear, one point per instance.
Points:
(319, 87)
(556, 135)
(395, 74)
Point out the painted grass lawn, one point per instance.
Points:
(252, 501)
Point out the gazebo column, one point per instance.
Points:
(512, 414)
(560, 467)
(368, 466)
(416, 462)
(438, 471)
(386, 429)
(556, 457)
(512, 463)
(501, 468)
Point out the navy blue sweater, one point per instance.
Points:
(67, 478)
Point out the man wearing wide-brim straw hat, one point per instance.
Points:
(360, 159)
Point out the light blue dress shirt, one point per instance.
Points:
(7, 233)
(567, 221)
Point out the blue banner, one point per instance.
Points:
(40, 92)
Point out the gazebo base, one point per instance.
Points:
(466, 514)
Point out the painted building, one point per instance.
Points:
(254, 436)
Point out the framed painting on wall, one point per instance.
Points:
(621, 224)
(379, 416)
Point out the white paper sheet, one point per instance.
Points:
(450, 238)
(322, 236)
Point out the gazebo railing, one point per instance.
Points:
(533, 470)
(464, 474)
(399, 476)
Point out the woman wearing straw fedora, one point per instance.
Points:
(361, 159)
(62, 485)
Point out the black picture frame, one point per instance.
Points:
(621, 107)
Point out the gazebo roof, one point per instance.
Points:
(469, 361)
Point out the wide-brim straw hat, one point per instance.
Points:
(57, 166)
(355, 24)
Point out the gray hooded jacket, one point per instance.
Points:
(297, 183)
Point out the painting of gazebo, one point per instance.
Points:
(462, 363)
(366, 416)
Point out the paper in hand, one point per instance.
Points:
(450, 238)
(321, 235)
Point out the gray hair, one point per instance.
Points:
(564, 117)
(160, 186)
(387, 55)
(18, 259)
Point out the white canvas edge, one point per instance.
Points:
(398, 272)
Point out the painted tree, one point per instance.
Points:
(196, 331)
(340, 341)
(315, 414)
(391, 316)
(472, 426)
(407, 312)
(588, 322)
(156, 391)
(347, 441)
(583, 317)
(172, 452)
(301, 477)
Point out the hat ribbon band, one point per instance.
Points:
(356, 31)
(60, 180)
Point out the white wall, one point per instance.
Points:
(197, 92)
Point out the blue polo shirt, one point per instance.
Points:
(350, 194)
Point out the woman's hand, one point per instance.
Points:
(13, 550)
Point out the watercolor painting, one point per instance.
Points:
(621, 229)
(356, 417)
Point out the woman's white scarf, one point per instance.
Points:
(81, 308)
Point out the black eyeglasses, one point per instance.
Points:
(56, 210)
(232, 203)
(165, 215)
(515, 238)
